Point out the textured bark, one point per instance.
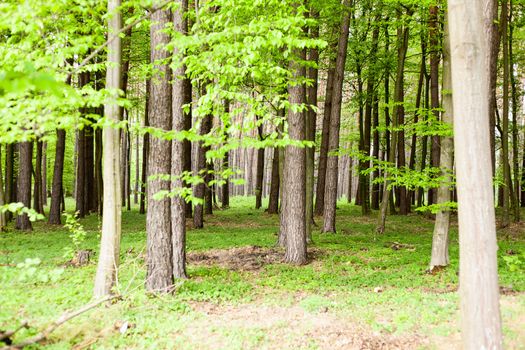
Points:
(24, 183)
(111, 217)
(470, 28)
(273, 203)
(158, 224)
(178, 205)
(294, 173)
(58, 175)
(505, 116)
(323, 150)
(492, 25)
(330, 195)
(515, 107)
(440, 239)
(433, 33)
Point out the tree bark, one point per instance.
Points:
(37, 175)
(260, 171)
(3, 218)
(294, 172)
(515, 107)
(111, 218)
(158, 224)
(145, 153)
(440, 239)
(44, 175)
(178, 205)
(335, 122)
(470, 28)
(433, 32)
(58, 174)
(199, 190)
(273, 203)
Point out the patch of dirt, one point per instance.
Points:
(259, 326)
(250, 258)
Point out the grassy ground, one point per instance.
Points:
(359, 290)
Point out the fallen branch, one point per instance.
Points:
(60, 321)
(5, 337)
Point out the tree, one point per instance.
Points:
(178, 204)
(58, 174)
(24, 183)
(111, 217)
(440, 239)
(330, 194)
(159, 262)
(470, 34)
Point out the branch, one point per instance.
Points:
(116, 35)
(61, 320)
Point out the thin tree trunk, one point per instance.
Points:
(470, 29)
(55, 212)
(335, 122)
(37, 175)
(111, 219)
(505, 117)
(43, 196)
(440, 239)
(145, 153)
(434, 48)
(260, 171)
(3, 218)
(199, 190)
(273, 203)
(187, 143)
(515, 106)
(325, 136)
(24, 183)
(159, 252)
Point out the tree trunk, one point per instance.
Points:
(178, 205)
(515, 106)
(199, 190)
(187, 143)
(434, 48)
(145, 153)
(24, 183)
(273, 203)
(440, 239)
(493, 24)
(260, 171)
(10, 193)
(479, 292)
(330, 195)
(294, 172)
(3, 218)
(37, 175)
(158, 224)
(111, 218)
(43, 195)
(58, 174)
(323, 150)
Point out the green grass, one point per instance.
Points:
(354, 274)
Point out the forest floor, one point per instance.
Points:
(358, 291)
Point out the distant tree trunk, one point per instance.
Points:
(3, 218)
(37, 175)
(44, 175)
(515, 107)
(294, 172)
(440, 240)
(323, 150)
(493, 24)
(145, 153)
(187, 143)
(136, 189)
(388, 139)
(470, 28)
(111, 219)
(58, 175)
(399, 112)
(208, 177)
(225, 203)
(260, 171)
(505, 117)
(99, 180)
(24, 183)
(273, 203)
(424, 143)
(80, 175)
(433, 32)
(397, 120)
(200, 189)
(335, 121)
(178, 205)
(360, 123)
(375, 153)
(159, 253)
(10, 193)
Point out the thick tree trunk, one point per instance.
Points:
(294, 172)
(330, 194)
(111, 218)
(24, 183)
(440, 239)
(470, 28)
(178, 205)
(58, 174)
(159, 253)
(325, 136)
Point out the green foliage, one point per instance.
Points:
(18, 208)
(77, 234)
